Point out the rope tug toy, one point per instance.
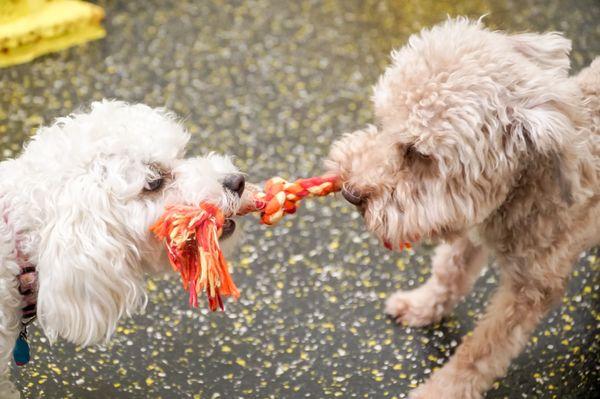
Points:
(191, 234)
(281, 197)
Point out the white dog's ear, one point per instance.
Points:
(548, 50)
(87, 264)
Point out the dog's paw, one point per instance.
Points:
(8, 390)
(434, 390)
(415, 308)
(12, 395)
(449, 384)
(426, 391)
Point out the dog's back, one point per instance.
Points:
(589, 82)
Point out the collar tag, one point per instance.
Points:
(21, 352)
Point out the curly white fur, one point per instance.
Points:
(75, 204)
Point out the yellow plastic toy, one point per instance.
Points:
(31, 28)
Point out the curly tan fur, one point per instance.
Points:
(484, 142)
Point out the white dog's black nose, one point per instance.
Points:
(235, 183)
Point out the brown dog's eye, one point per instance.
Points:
(412, 154)
(419, 165)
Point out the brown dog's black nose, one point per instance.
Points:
(353, 197)
(235, 183)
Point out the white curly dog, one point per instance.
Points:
(76, 207)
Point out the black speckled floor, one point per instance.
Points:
(274, 83)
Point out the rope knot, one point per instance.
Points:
(281, 197)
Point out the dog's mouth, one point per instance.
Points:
(228, 229)
(388, 236)
(245, 205)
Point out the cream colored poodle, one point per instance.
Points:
(484, 142)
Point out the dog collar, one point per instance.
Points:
(28, 286)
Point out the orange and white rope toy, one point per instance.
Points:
(281, 197)
(191, 234)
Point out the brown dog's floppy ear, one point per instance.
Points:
(562, 180)
(548, 51)
(547, 110)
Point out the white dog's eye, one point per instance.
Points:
(156, 180)
(154, 184)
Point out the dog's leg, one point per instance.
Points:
(515, 310)
(455, 267)
(10, 316)
(7, 388)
